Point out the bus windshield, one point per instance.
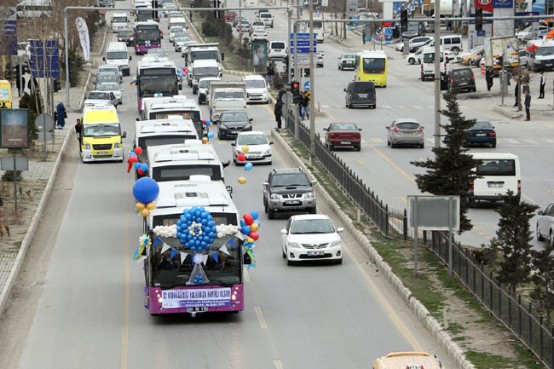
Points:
(150, 86)
(101, 130)
(183, 172)
(374, 65)
(150, 33)
(144, 142)
(173, 269)
(193, 115)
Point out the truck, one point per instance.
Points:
(194, 52)
(541, 55)
(501, 51)
(226, 96)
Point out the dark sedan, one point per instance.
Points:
(343, 135)
(482, 133)
(125, 35)
(231, 123)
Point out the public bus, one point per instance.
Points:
(179, 280)
(372, 66)
(156, 77)
(164, 107)
(167, 131)
(147, 35)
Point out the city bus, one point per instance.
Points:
(164, 107)
(372, 66)
(156, 77)
(146, 35)
(170, 268)
(167, 131)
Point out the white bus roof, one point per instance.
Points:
(169, 103)
(189, 151)
(493, 155)
(199, 190)
(171, 125)
(155, 62)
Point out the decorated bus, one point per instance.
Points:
(194, 246)
(147, 35)
(156, 77)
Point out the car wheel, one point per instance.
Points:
(421, 146)
(388, 143)
(539, 236)
(471, 201)
(551, 238)
(338, 67)
(284, 254)
(312, 210)
(358, 148)
(411, 61)
(270, 213)
(290, 262)
(265, 206)
(392, 145)
(493, 145)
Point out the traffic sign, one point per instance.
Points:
(307, 86)
(302, 42)
(303, 50)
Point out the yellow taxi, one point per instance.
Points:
(407, 360)
(102, 139)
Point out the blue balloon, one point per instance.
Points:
(248, 166)
(136, 166)
(243, 223)
(144, 167)
(208, 122)
(211, 135)
(132, 153)
(254, 213)
(245, 230)
(146, 190)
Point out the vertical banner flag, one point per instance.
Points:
(82, 29)
(10, 30)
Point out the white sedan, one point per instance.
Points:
(259, 148)
(259, 34)
(545, 224)
(112, 87)
(414, 58)
(311, 237)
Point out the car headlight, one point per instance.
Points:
(87, 146)
(267, 152)
(247, 127)
(335, 243)
(117, 145)
(309, 195)
(274, 196)
(293, 245)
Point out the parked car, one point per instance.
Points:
(360, 93)
(287, 190)
(482, 133)
(112, 87)
(405, 132)
(545, 224)
(343, 135)
(466, 57)
(259, 148)
(311, 237)
(232, 122)
(461, 79)
(347, 61)
(413, 43)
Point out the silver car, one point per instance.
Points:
(112, 87)
(545, 224)
(405, 132)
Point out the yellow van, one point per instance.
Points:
(102, 136)
(5, 94)
(407, 360)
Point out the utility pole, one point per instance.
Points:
(437, 75)
(312, 73)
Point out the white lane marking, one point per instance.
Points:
(246, 275)
(277, 364)
(261, 318)
(509, 140)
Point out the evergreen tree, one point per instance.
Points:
(450, 173)
(543, 279)
(513, 237)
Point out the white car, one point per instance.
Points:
(259, 148)
(100, 98)
(112, 87)
(259, 34)
(175, 29)
(414, 58)
(256, 24)
(277, 50)
(319, 59)
(110, 69)
(256, 89)
(181, 42)
(545, 224)
(311, 237)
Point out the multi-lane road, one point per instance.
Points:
(85, 309)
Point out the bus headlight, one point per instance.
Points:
(117, 145)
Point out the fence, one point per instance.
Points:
(519, 317)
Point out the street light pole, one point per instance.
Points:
(312, 73)
(437, 75)
(66, 55)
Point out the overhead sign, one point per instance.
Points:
(303, 43)
(45, 61)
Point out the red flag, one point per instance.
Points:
(486, 5)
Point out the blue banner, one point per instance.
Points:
(503, 4)
(45, 61)
(10, 31)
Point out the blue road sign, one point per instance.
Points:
(302, 50)
(45, 61)
(307, 86)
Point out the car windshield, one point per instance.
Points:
(482, 125)
(176, 29)
(277, 45)
(98, 130)
(125, 33)
(103, 78)
(289, 179)
(344, 127)
(203, 83)
(182, 39)
(109, 87)
(408, 125)
(362, 88)
(97, 95)
(545, 50)
(312, 226)
(255, 83)
(252, 140)
(233, 117)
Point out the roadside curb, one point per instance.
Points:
(430, 323)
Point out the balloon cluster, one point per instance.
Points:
(144, 243)
(249, 227)
(145, 191)
(133, 162)
(241, 157)
(196, 229)
(207, 123)
(166, 231)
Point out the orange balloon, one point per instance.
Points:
(254, 227)
(241, 180)
(145, 212)
(205, 140)
(245, 149)
(139, 206)
(151, 206)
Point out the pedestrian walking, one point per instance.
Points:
(363, 36)
(305, 103)
(278, 111)
(282, 93)
(542, 85)
(270, 72)
(527, 105)
(517, 89)
(61, 114)
(79, 133)
(489, 76)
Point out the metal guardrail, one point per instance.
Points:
(519, 317)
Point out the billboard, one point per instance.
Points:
(45, 61)
(15, 128)
(259, 55)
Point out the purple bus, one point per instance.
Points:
(147, 35)
(156, 77)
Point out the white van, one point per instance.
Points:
(277, 50)
(256, 89)
(543, 56)
(117, 55)
(120, 21)
(428, 63)
(499, 172)
(179, 21)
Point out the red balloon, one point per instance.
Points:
(241, 157)
(132, 159)
(248, 219)
(254, 236)
(138, 150)
(140, 171)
